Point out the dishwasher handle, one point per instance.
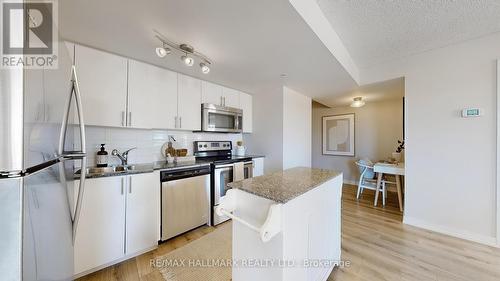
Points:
(182, 174)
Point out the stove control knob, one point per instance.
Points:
(205, 146)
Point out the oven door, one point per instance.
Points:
(223, 175)
(215, 120)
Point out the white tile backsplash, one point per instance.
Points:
(148, 142)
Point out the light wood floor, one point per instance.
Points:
(374, 241)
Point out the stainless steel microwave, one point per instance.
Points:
(215, 118)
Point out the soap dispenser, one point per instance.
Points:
(102, 157)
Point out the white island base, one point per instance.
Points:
(307, 245)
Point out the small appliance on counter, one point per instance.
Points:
(240, 149)
(102, 157)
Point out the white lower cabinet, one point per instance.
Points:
(100, 237)
(119, 219)
(258, 166)
(143, 211)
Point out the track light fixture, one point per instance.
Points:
(188, 53)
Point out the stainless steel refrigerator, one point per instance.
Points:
(42, 142)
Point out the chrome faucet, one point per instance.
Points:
(123, 156)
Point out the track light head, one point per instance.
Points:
(205, 69)
(189, 61)
(162, 51)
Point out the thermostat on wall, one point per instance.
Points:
(472, 112)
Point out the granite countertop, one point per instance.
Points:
(162, 165)
(150, 167)
(286, 185)
(138, 169)
(144, 168)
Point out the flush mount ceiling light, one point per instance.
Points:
(357, 102)
(189, 55)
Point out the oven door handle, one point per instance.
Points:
(225, 166)
(218, 188)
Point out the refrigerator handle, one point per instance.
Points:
(73, 155)
(83, 175)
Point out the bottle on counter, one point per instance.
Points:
(102, 157)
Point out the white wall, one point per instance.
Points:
(296, 129)
(267, 136)
(281, 129)
(378, 127)
(450, 161)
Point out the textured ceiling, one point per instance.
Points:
(250, 42)
(379, 31)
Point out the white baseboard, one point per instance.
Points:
(474, 237)
(124, 258)
(351, 182)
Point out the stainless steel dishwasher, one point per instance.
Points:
(185, 200)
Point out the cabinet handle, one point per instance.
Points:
(123, 118)
(130, 185)
(180, 122)
(122, 185)
(130, 118)
(175, 122)
(221, 103)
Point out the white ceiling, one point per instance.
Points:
(379, 31)
(250, 42)
(385, 90)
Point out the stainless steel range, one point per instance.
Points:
(226, 168)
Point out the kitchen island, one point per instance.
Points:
(286, 225)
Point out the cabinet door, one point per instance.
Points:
(231, 97)
(246, 106)
(103, 86)
(143, 210)
(152, 96)
(258, 167)
(211, 93)
(189, 103)
(101, 230)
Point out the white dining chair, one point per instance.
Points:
(368, 180)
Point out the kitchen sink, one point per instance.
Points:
(109, 170)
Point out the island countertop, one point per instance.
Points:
(286, 185)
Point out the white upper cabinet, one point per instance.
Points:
(211, 93)
(219, 95)
(103, 86)
(231, 97)
(189, 103)
(246, 106)
(152, 96)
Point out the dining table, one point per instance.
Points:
(395, 169)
